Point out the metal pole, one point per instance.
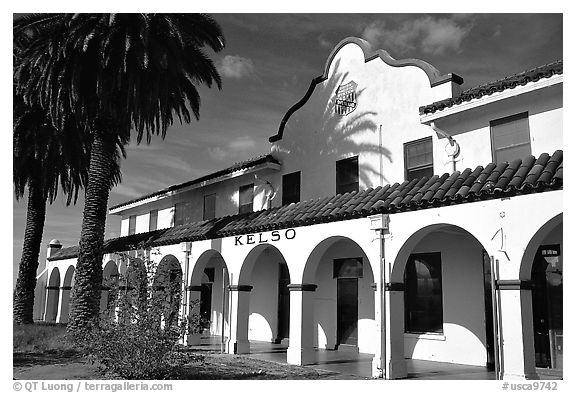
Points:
(495, 319)
(380, 156)
(222, 342)
(385, 368)
(185, 292)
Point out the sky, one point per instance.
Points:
(266, 67)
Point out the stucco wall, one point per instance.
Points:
(388, 97)
(217, 293)
(325, 305)
(471, 128)
(464, 334)
(263, 321)
(226, 201)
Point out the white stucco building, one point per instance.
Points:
(395, 215)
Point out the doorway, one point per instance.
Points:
(283, 303)
(347, 312)
(347, 271)
(547, 307)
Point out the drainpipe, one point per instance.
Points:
(454, 150)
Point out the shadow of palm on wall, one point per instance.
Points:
(316, 136)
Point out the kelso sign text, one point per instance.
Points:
(259, 238)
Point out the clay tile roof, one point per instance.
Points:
(235, 167)
(493, 181)
(508, 82)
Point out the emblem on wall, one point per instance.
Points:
(346, 99)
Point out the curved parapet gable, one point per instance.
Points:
(432, 72)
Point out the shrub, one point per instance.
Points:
(40, 337)
(138, 336)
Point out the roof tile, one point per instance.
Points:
(528, 175)
(508, 82)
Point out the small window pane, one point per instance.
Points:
(347, 175)
(348, 268)
(153, 220)
(510, 138)
(419, 159)
(183, 213)
(209, 207)
(291, 188)
(132, 225)
(423, 294)
(246, 199)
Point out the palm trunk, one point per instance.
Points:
(85, 297)
(26, 282)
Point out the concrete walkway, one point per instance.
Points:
(346, 364)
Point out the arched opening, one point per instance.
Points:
(65, 295)
(208, 295)
(133, 287)
(52, 296)
(444, 311)
(167, 287)
(343, 306)
(266, 271)
(543, 259)
(109, 296)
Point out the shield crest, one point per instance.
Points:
(346, 99)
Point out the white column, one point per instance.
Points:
(395, 362)
(301, 348)
(379, 361)
(239, 312)
(388, 361)
(63, 305)
(52, 296)
(516, 331)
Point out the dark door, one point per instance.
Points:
(283, 304)
(206, 304)
(347, 312)
(547, 307)
(488, 312)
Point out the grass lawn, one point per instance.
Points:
(41, 351)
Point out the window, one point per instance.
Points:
(153, 225)
(182, 213)
(209, 207)
(291, 188)
(132, 225)
(246, 199)
(347, 175)
(347, 268)
(510, 138)
(423, 294)
(418, 159)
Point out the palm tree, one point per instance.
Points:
(115, 73)
(44, 160)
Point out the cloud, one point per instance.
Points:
(235, 67)
(429, 34)
(242, 143)
(217, 153)
(242, 147)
